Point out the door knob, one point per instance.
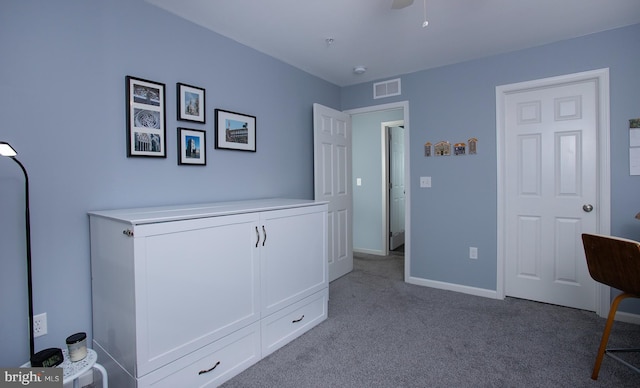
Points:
(587, 208)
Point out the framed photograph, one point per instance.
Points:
(145, 118)
(235, 131)
(192, 148)
(191, 103)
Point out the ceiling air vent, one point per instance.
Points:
(386, 88)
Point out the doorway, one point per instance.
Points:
(553, 158)
(370, 178)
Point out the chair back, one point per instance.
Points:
(613, 261)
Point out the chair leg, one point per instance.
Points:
(607, 331)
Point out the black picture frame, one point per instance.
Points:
(235, 131)
(191, 103)
(146, 118)
(192, 147)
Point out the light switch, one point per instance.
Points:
(473, 252)
(425, 181)
(358, 181)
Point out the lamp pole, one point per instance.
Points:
(7, 150)
(27, 218)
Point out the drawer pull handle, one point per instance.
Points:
(265, 235)
(257, 235)
(298, 320)
(128, 232)
(209, 370)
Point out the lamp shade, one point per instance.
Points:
(7, 150)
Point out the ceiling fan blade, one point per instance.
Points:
(399, 4)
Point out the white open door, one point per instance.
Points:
(332, 183)
(396, 186)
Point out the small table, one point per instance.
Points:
(72, 370)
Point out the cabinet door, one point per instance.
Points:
(294, 255)
(196, 281)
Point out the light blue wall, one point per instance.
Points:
(62, 69)
(368, 213)
(62, 106)
(457, 102)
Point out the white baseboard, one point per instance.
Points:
(453, 287)
(621, 316)
(368, 251)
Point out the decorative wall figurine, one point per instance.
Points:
(443, 148)
(459, 148)
(427, 149)
(634, 147)
(473, 146)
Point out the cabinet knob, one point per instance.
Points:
(128, 232)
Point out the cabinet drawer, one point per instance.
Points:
(285, 325)
(232, 354)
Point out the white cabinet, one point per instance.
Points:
(211, 287)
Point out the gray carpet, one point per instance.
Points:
(382, 332)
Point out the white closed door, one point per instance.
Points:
(332, 183)
(551, 192)
(396, 187)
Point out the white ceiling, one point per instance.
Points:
(391, 42)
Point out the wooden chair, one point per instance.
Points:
(615, 262)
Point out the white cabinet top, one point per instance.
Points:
(150, 215)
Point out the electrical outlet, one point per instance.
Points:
(473, 252)
(40, 325)
(425, 181)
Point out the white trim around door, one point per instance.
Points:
(404, 105)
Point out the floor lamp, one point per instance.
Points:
(7, 150)
(51, 356)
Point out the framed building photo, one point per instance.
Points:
(192, 148)
(145, 118)
(191, 103)
(235, 131)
